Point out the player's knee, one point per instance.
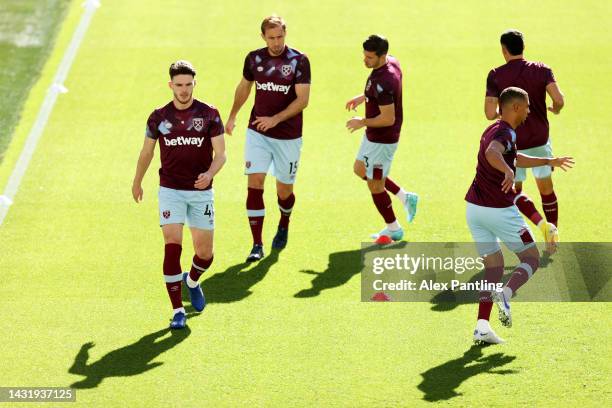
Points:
(284, 190)
(545, 186)
(257, 181)
(376, 186)
(204, 251)
(173, 238)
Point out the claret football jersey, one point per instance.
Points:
(275, 78)
(185, 145)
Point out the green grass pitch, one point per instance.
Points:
(82, 297)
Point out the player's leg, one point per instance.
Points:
(256, 213)
(286, 201)
(172, 212)
(258, 158)
(529, 263)
(201, 219)
(382, 201)
(477, 219)
(516, 235)
(378, 158)
(549, 200)
(543, 176)
(408, 199)
(549, 231)
(286, 159)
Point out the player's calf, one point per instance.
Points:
(522, 273)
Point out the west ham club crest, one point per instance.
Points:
(286, 70)
(198, 124)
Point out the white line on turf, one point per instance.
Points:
(7, 199)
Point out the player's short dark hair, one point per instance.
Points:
(513, 41)
(376, 43)
(182, 67)
(511, 94)
(271, 22)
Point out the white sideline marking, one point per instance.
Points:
(38, 127)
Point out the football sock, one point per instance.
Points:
(256, 212)
(179, 310)
(285, 206)
(491, 275)
(526, 206)
(172, 273)
(551, 208)
(393, 188)
(382, 201)
(198, 267)
(522, 273)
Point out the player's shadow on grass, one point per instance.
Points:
(450, 299)
(342, 266)
(441, 382)
(133, 359)
(235, 283)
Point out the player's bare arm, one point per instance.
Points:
(557, 97)
(565, 162)
(490, 108)
(384, 119)
(243, 90)
(144, 160)
(354, 102)
(494, 155)
(219, 159)
(302, 92)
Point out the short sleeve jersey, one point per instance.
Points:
(384, 87)
(275, 78)
(486, 189)
(533, 77)
(184, 142)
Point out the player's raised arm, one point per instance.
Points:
(565, 162)
(144, 160)
(557, 97)
(243, 90)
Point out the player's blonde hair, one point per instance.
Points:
(272, 22)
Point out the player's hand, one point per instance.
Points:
(563, 162)
(508, 182)
(263, 123)
(230, 125)
(355, 123)
(353, 103)
(203, 181)
(137, 192)
(553, 110)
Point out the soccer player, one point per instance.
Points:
(492, 215)
(383, 122)
(192, 150)
(274, 136)
(532, 138)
